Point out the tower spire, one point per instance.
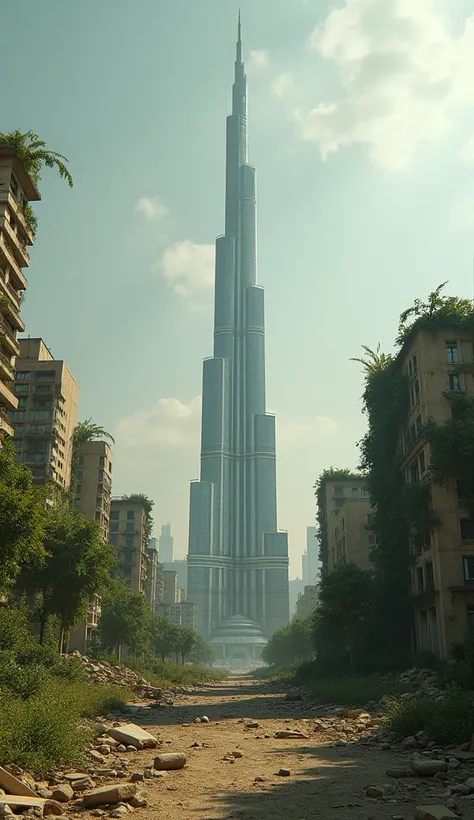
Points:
(239, 40)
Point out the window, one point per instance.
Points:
(101, 461)
(114, 526)
(338, 490)
(419, 579)
(45, 374)
(467, 529)
(422, 461)
(114, 515)
(452, 352)
(365, 492)
(131, 515)
(372, 540)
(17, 443)
(81, 461)
(80, 474)
(130, 526)
(14, 188)
(468, 567)
(23, 376)
(43, 388)
(454, 382)
(114, 539)
(22, 401)
(355, 492)
(429, 574)
(79, 489)
(414, 472)
(17, 414)
(129, 543)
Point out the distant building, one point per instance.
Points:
(170, 591)
(296, 588)
(184, 613)
(181, 569)
(16, 190)
(47, 414)
(307, 601)
(153, 573)
(310, 558)
(337, 491)
(352, 541)
(166, 545)
(129, 533)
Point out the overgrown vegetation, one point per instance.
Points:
(450, 720)
(332, 474)
(290, 644)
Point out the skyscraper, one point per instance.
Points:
(166, 544)
(237, 559)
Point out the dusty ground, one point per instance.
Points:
(326, 781)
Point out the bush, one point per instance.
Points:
(168, 674)
(347, 690)
(450, 720)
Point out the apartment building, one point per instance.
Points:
(154, 580)
(183, 613)
(170, 588)
(307, 601)
(310, 558)
(129, 533)
(443, 571)
(16, 191)
(94, 484)
(47, 414)
(352, 540)
(180, 566)
(93, 492)
(166, 544)
(337, 492)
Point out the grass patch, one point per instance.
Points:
(172, 674)
(450, 720)
(270, 673)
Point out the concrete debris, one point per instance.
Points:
(284, 773)
(63, 793)
(433, 813)
(168, 762)
(289, 733)
(428, 768)
(132, 735)
(13, 785)
(104, 672)
(109, 794)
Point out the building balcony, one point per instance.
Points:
(19, 249)
(7, 370)
(20, 217)
(8, 338)
(16, 273)
(36, 458)
(8, 400)
(6, 425)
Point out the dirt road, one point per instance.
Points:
(326, 780)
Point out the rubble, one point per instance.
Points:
(109, 794)
(166, 762)
(104, 672)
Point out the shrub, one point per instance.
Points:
(450, 720)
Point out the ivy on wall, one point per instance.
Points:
(332, 474)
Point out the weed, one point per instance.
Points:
(450, 720)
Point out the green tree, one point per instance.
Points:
(22, 517)
(331, 474)
(290, 645)
(164, 637)
(84, 432)
(77, 565)
(202, 652)
(125, 620)
(185, 642)
(345, 597)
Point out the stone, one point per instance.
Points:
(375, 791)
(97, 813)
(436, 812)
(22, 802)
(237, 754)
(5, 811)
(197, 720)
(138, 801)
(121, 748)
(260, 780)
(205, 719)
(428, 768)
(137, 776)
(284, 773)
(109, 794)
(409, 743)
(288, 733)
(95, 755)
(167, 762)
(104, 749)
(131, 749)
(398, 773)
(52, 807)
(132, 735)
(120, 811)
(47, 794)
(64, 793)
(252, 724)
(470, 783)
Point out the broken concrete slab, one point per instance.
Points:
(132, 735)
(23, 801)
(437, 812)
(109, 794)
(428, 768)
(289, 733)
(12, 785)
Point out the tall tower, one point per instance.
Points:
(237, 559)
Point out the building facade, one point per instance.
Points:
(181, 569)
(310, 558)
(237, 558)
(47, 413)
(336, 492)
(437, 362)
(166, 543)
(16, 191)
(352, 541)
(307, 601)
(182, 614)
(170, 588)
(129, 532)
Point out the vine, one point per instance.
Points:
(332, 474)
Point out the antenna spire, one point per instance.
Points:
(239, 40)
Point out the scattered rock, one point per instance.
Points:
(109, 794)
(63, 794)
(428, 768)
(237, 754)
(167, 762)
(52, 807)
(137, 777)
(288, 733)
(260, 780)
(436, 812)
(197, 720)
(284, 773)
(138, 801)
(205, 719)
(398, 773)
(133, 735)
(252, 724)
(375, 791)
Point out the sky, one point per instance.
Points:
(361, 127)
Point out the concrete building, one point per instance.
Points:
(237, 558)
(296, 588)
(310, 558)
(47, 414)
(94, 484)
(16, 191)
(184, 613)
(181, 569)
(153, 574)
(336, 492)
(129, 532)
(307, 601)
(166, 545)
(443, 572)
(170, 588)
(352, 541)
(93, 492)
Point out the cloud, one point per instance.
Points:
(188, 267)
(170, 423)
(258, 59)
(151, 208)
(282, 84)
(290, 433)
(402, 74)
(467, 152)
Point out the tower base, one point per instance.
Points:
(238, 643)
